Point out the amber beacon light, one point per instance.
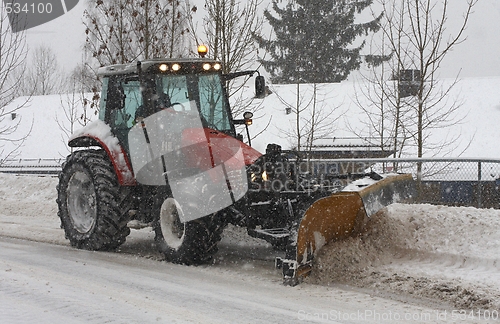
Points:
(202, 50)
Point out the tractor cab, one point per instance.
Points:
(133, 92)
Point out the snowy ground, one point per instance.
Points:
(414, 263)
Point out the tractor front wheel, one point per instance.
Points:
(190, 243)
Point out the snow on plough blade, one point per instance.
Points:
(340, 216)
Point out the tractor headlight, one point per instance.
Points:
(257, 176)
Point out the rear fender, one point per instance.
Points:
(99, 134)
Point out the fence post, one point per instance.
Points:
(479, 186)
(419, 181)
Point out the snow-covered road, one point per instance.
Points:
(47, 283)
(383, 276)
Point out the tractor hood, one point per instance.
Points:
(222, 146)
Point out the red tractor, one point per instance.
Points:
(165, 153)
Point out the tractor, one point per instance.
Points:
(165, 153)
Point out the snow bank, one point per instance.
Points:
(452, 254)
(28, 208)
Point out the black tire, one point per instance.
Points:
(190, 243)
(93, 207)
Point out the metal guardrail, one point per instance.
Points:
(31, 166)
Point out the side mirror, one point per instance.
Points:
(260, 87)
(247, 116)
(116, 98)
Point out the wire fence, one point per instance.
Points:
(454, 182)
(446, 181)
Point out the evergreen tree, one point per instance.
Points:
(314, 40)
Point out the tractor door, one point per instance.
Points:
(121, 98)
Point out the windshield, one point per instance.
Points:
(206, 90)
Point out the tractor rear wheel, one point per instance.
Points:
(93, 207)
(190, 243)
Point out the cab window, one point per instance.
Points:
(123, 99)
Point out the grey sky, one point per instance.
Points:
(479, 56)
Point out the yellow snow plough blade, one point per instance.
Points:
(344, 214)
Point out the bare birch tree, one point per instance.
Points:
(407, 101)
(43, 74)
(83, 78)
(419, 38)
(13, 51)
(123, 31)
(385, 112)
(76, 113)
(79, 103)
(313, 119)
(230, 27)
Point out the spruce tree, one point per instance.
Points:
(314, 40)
